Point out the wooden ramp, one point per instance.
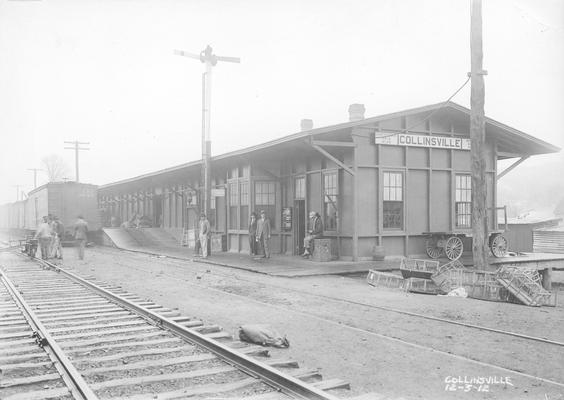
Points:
(121, 238)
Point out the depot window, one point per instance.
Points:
(299, 188)
(244, 203)
(265, 199)
(330, 200)
(233, 205)
(463, 201)
(392, 204)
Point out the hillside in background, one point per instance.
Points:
(535, 185)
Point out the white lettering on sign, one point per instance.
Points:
(218, 192)
(439, 142)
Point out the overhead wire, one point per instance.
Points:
(427, 117)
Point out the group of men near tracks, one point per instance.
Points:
(50, 234)
(259, 234)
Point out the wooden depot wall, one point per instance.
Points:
(428, 176)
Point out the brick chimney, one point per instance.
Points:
(306, 125)
(356, 112)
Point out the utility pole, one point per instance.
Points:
(478, 136)
(207, 57)
(76, 147)
(34, 175)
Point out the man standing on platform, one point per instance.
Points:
(204, 234)
(253, 234)
(263, 233)
(43, 234)
(80, 231)
(315, 230)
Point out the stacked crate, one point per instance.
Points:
(417, 274)
(478, 284)
(524, 284)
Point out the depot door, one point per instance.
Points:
(299, 226)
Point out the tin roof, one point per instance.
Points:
(511, 142)
(60, 183)
(533, 220)
(559, 228)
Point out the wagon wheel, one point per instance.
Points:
(454, 248)
(498, 246)
(432, 248)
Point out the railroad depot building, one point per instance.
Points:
(380, 181)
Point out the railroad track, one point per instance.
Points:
(382, 329)
(64, 337)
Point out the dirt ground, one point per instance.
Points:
(337, 324)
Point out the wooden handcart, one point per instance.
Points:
(451, 243)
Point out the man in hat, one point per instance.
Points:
(204, 234)
(253, 234)
(263, 233)
(58, 232)
(43, 234)
(315, 230)
(80, 235)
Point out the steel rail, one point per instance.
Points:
(269, 375)
(383, 308)
(72, 378)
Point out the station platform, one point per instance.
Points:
(156, 243)
(295, 266)
(150, 241)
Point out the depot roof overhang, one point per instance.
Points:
(511, 142)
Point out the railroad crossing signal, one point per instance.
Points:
(207, 57)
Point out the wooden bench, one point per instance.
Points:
(324, 249)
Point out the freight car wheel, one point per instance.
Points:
(432, 247)
(498, 245)
(454, 248)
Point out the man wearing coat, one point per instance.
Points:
(253, 235)
(80, 235)
(58, 235)
(263, 233)
(43, 234)
(205, 231)
(315, 230)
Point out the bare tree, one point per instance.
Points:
(55, 167)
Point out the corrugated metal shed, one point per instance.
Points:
(549, 240)
(519, 231)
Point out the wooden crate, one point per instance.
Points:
(413, 268)
(488, 290)
(419, 285)
(324, 249)
(449, 276)
(385, 279)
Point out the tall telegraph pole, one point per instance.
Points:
(17, 191)
(76, 147)
(207, 57)
(477, 136)
(34, 175)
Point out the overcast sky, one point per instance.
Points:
(104, 72)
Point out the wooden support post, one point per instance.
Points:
(356, 217)
(477, 135)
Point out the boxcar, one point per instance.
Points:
(66, 200)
